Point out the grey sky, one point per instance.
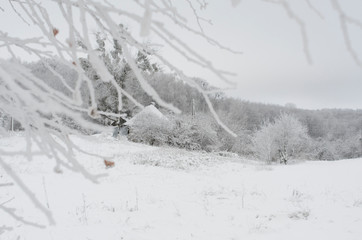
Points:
(273, 67)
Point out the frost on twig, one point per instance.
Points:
(14, 9)
(197, 16)
(42, 110)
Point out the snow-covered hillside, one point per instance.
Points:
(164, 194)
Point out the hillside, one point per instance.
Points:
(165, 193)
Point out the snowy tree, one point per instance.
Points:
(264, 144)
(118, 67)
(284, 138)
(151, 129)
(290, 136)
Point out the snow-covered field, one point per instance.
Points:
(163, 193)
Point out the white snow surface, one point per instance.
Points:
(164, 193)
(150, 110)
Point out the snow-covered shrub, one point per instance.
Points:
(195, 133)
(191, 133)
(243, 144)
(183, 137)
(323, 149)
(333, 149)
(284, 138)
(150, 129)
(264, 143)
(350, 147)
(291, 137)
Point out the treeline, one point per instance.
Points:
(332, 133)
(326, 134)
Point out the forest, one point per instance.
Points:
(267, 132)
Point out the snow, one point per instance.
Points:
(166, 193)
(150, 110)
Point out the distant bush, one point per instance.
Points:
(152, 130)
(324, 149)
(281, 140)
(196, 133)
(182, 132)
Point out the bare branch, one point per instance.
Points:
(314, 9)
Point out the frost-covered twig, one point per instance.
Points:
(197, 16)
(16, 11)
(183, 25)
(41, 109)
(204, 93)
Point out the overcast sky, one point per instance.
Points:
(273, 67)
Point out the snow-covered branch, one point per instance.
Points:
(42, 109)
